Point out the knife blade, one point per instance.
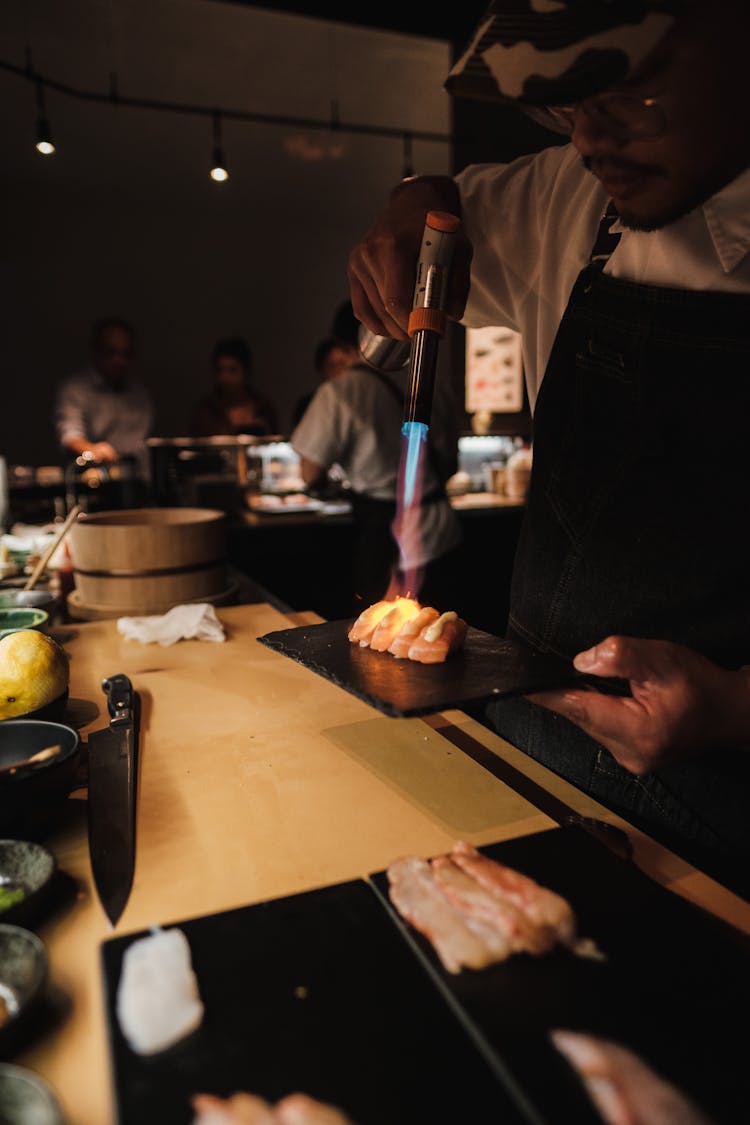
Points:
(112, 797)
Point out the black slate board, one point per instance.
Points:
(371, 1036)
(674, 988)
(486, 666)
(390, 1037)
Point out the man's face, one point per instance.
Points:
(113, 354)
(700, 88)
(229, 374)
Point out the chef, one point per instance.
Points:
(622, 259)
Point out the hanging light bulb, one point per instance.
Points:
(44, 143)
(219, 171)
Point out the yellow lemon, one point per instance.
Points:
(34, 671)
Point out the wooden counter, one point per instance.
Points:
(260, 779)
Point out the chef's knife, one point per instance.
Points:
(112, 776)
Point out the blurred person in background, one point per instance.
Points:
(233, 405)
(332, 356)
(103, 410)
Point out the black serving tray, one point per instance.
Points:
(384, 1032)
(486, 666)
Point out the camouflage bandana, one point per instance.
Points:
(557, 52)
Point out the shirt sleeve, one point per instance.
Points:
(70, 412)
(322, 434)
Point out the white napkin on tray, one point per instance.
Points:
(196, 620)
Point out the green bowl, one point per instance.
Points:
(26, 1099)
(11, 620)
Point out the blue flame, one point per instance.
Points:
(416, 436)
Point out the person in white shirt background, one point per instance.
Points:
(104, 410)
(622, 259)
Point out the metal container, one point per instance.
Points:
(384, 353)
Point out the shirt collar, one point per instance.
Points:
(727, 216)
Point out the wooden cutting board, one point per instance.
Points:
(330, 992)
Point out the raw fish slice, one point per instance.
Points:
(388, 627)
(419, 900)
(518, 932)
(541, 906)
(438, 640)
(298, 1109)
(240, 1109)
(246, 1109)
(364, 626)
(401, 643)
(157, 997)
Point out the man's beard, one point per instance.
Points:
(695, 198)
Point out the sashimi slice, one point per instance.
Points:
(541, 906)
(158, 1002)
(401, 643)
(365, 625)
(438, 640)
(403, 609)
(419, 900)
(518, 932)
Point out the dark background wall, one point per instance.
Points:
(124, 219)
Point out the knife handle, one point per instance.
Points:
(119, 692)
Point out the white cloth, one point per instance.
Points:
(196, 620)
(355, 422)
(533, 223)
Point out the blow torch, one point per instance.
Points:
(426, 326)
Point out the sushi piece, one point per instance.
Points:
(439, 640)
(543, 908)
(364, 626)
(246, 1109)
(401, 643)
(459, 941)
(158, 1002)
(402, 611)
(475, 901)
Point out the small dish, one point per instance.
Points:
(26, 871)
(33, 793)
(23, 974)
(25, 1098)
(27, 599)
(21, 617)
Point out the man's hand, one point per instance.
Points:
(681, 703)
(382, 267)
(104, 452)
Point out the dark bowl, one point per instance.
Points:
(26, 871)
(23, 974)
(31, 796)
(28, 599)
(21, 617)
(25, 1099)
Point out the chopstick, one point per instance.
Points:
(40, 756)
(69, 521)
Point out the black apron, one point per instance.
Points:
(637, 523)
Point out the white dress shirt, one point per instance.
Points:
(534, 221)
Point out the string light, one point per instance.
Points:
(219, 171)
(44, 143)
(333, 126)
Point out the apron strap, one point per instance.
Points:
(605, 243)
